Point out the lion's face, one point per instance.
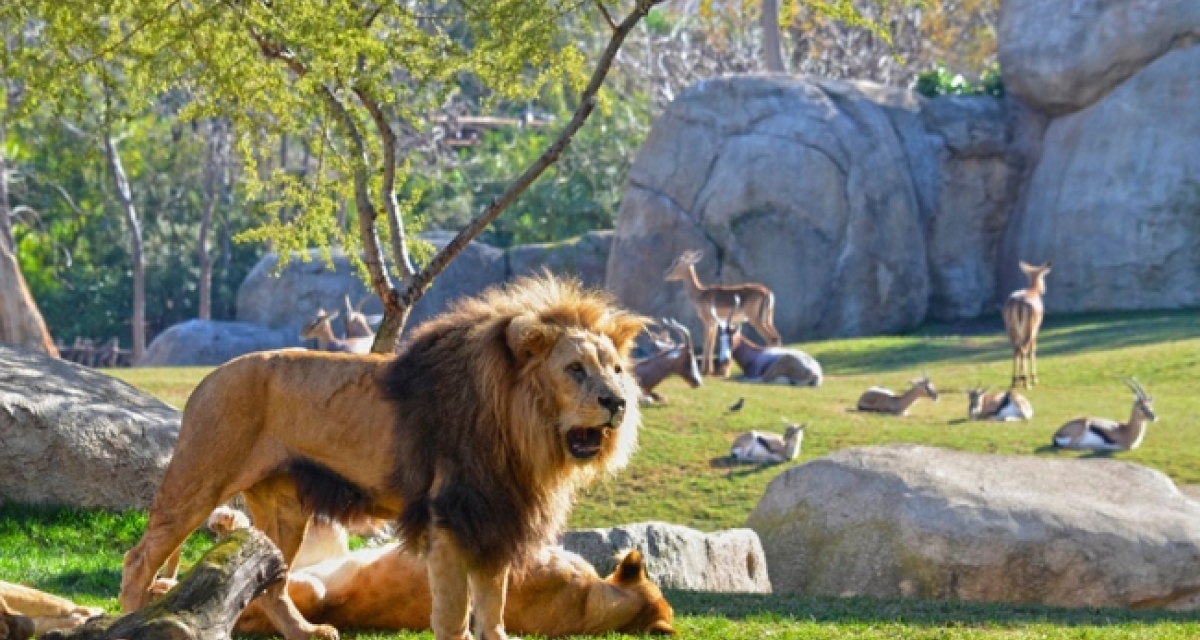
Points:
(593, 393)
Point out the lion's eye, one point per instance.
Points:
(576, 370)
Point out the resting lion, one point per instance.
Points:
(25, 611)
(557, 594)
(475, 437)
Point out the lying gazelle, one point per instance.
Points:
(320, 328)
(1022, 318)
(1110, 435)
(778, 365)
(886, 401)
(756, 446)
(998, 405)
(757, 302)
(671, 359)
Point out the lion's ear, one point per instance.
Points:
(632, 569)
(624, 328)
(528, 336)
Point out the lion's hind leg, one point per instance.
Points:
(276, 510)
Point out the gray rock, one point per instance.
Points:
(74, 436)
(1060, 56)
(912, 521)
(213, 342)
(677, 557)
(800, 184)
(585, 257)
(478, 267)
(1113, 200)
(984, 150)
(288, 299)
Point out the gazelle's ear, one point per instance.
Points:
(527, 336)
(333, 315)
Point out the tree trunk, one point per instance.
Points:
(21, 323)
(215, 167)
(772, 46)
(206, 604)
(138, 319)
(6, 232)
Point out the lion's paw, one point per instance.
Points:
(324, 632)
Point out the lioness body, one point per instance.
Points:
(384, 588)
(474, 437)
(45, 611)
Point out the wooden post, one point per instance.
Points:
(206, 604)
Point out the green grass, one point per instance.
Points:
(680, 474)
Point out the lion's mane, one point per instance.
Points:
(479, 452)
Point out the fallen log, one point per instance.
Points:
(206, 603)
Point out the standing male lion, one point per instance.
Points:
(475, 437)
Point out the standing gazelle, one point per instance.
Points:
(1022, 318)
(1110, 435)
(882, 400)
(757, 304)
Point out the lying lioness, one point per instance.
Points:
(44, 610)
(559, 594)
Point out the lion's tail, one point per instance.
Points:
(326, 494)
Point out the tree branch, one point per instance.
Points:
(391, 208)
(587, 102)
(607, 16)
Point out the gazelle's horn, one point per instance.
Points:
(1135, 388)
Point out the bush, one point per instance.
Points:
(940, 81)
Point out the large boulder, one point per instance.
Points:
(478, 267)
(678, 557)
(802, 184)
(74, 436)
(912, 521)
(286, 299)
(1114, 200)
(1060, 56)
(984, 149)
(585, 257)
(213, 342)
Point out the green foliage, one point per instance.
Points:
(579, 193)
(940, 81)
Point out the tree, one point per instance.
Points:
(336, 71)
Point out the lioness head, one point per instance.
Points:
(656, 614)
(583, 380)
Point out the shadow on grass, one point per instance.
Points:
(737, 606)
(984, 340)
(98, 583)
(739, 469)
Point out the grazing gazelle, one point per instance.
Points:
(1022, 318)
(757, 304)
(886, 401)
(1110, 435)
(998, 405)
(756, 446)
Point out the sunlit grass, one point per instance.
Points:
(680, 473)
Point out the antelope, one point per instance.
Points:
(1022, 318)
(321, 329)
(356, 323)
(778, 365)
(758, 303)
(1110, 435)
(998, 405)
(756, 446)
(672, 359)
(885, 401)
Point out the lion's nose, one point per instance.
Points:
(614, 404)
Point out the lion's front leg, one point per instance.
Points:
(488, 591)
(449, 587)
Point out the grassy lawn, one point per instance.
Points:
(679, 474)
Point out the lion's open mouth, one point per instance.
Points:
(585, 442)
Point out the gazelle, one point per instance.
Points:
(886, 401)
(757, 303)
(762, 364)
(675, 359)
(998, 405)
(756, 446)
(320, 328)
(1022, 318)
(357, 324)
(1110, 435)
